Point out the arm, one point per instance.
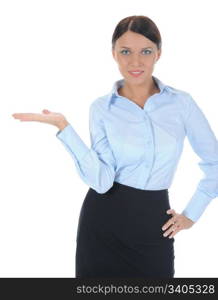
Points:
(205, 145)
(95, 165)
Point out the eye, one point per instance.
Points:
(123, 51)
(147, 51)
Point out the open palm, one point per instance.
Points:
(53, 118)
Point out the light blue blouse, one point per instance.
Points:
(141, 147)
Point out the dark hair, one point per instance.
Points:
(139, 24)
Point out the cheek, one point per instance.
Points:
(123, 67)
(149, 61)
(123, 63)
(122, 60)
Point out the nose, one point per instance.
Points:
(135, 60)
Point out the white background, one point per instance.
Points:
(57, 55)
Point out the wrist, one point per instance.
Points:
(62, 124)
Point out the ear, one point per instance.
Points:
(113, 53)
(159, 51)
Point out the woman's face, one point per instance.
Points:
(134, 52)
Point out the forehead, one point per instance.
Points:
(133, 40)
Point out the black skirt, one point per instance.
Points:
(120, 234)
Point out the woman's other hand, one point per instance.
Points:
(53, 118)
(176, 223)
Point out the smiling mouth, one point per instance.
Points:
(135, 73)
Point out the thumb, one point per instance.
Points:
(170, 211)
(45, 111)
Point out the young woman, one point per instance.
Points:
(126, 226)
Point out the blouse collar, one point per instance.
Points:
(119, 83)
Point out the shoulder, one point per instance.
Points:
(100, 103)
(178, 92)
(184, 98)
(98, 108)
(184, 101)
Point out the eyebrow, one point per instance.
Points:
(130, 48)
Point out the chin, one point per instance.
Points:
(135, 80)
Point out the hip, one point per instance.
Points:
(127, 212)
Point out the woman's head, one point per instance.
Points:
(136, 45)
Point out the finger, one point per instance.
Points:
(170, 230)
(170, 222)
(26, 116)
(174, 233)
(171, 211)
(30, 117)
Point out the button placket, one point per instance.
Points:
(150, 149)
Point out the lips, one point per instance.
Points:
(136, 73)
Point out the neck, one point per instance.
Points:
(139, 91)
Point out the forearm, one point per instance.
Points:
(95, 169)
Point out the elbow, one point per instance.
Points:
(102, 189)
(105, 183)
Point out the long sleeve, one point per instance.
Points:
(205, 145)
(95, 165)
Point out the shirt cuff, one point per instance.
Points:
(72, 142)
(197, 205)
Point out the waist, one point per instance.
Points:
(128, 196)
(126, 188)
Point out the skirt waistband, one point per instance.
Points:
(122, 187)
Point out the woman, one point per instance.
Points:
(126, 226)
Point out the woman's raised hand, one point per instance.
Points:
(53, 118)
